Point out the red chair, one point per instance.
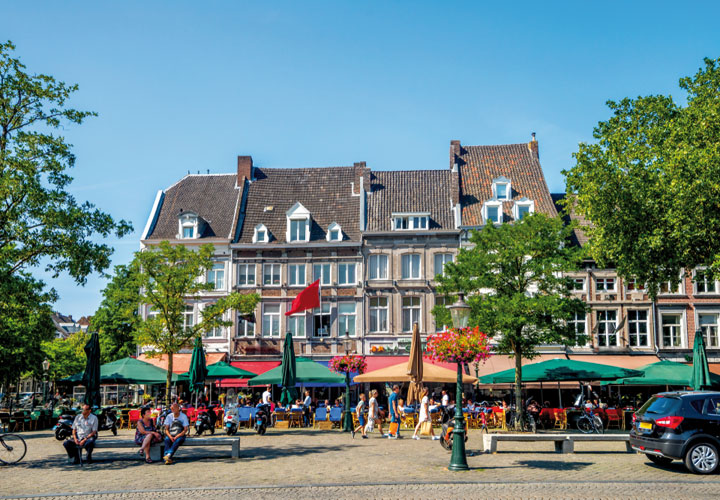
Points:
(614, 416)
(191, 415)
(133, 418)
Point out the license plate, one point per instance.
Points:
(645, 425)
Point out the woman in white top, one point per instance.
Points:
(424, 415)
(373, 414)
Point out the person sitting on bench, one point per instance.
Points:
(177, 426)
(84, 433)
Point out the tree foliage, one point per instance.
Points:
(650, 186)
(116, 320)
(40, 222)
(513, 278)
(66, 356)
(169, 276)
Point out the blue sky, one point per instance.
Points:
(190, 85)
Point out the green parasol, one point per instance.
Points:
(127, 371)
(700, 378)
(288, 368)
(663, 373)
(91, 375)
(198, 369)
(307, 371)
(560, 370)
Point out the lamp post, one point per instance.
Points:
(460, 314)
(347, 414)
(45, 367)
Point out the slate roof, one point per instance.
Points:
(479, 165)
(579, 237)
(411, 191)
(213, 197)
(326, 192)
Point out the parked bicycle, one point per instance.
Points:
(589, 422)
(527, 424)
(12, 449)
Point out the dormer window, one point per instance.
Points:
(502, 188)
(492, 212)
(410, 221)
(334, 232)
(261, 234)
(189, 225)
(523, 207)
(298, 223)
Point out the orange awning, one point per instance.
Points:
(181, 362)
(398, 373)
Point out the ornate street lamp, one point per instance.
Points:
(45, 367)
(460, 314)
(347, 413)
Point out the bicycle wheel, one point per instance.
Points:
(599, 426)
(12, 449)
(584, 425)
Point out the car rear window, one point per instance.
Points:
(661, 406)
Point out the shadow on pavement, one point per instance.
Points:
(553, 465)
(269, 453)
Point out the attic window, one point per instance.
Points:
(189, 226)
(334, 232)
(492, 212)
(298, 224)
(502, 188)
(410, 221)
(261, 234)
(523, 207)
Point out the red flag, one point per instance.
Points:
(307, 299)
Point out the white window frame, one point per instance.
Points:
(212, 275)
(523, 203)
(246, 266)
(410, 221)
(681, 326)
(273, 318)
(375, 266)
(605, 280)
(706, 283)
(636, 323)
(344, 277)
(299, 320)
(244, 327)
(321, 312)
(444, 260)
(378, 309)
(443, 300)
(188, 312)
(486, 216)
(411, 257)
(297, 272)
(334, 228)
(605, 323)
(577, 280)
(498, 181)
(345, 317)
(301, 216)
(679, 287)
(261, 238)
(325, 277)
(580, 318)
(635, 286)
(188, 220)
(716, 337)
(272, 266)
(412, 308)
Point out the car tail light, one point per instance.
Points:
(634, 418)
(670, 422)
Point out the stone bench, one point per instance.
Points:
(157, 450)
(564, 443)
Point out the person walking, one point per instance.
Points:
(177, 427)
(360, 412)
(307, 410)
(424, 416)
(445, 399)
(373, 414)
(394, 413)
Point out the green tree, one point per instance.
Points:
(25, 323)
(66, 356)
(40, 222)
(513, 278)
(168, 276)
(650, 185)
(116, 319)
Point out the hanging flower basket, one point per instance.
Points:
(348, 364)
(458, 345)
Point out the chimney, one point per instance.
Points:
(245, 166)
(533, 146)
(361, 176)
(454, 153)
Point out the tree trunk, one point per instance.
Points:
(168, 381)
(518, 387)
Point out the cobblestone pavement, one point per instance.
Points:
(329, 464)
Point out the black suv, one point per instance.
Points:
(680, 426)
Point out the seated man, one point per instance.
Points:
(177, 426)
(84, 433)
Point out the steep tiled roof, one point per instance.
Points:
(213, 197)
(411, 191)
(326, 193)
(579, 236)
(479, 165)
